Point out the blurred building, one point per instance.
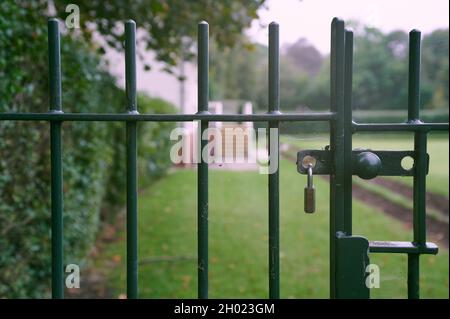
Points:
(237, 139)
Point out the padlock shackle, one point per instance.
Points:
(310, 182)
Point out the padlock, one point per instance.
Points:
(310, 192)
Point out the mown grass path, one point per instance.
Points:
(238, 240)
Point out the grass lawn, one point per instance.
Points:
(238, 240)
(438, 149)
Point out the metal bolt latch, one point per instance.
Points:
(310, 192)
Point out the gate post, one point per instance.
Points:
(336, 145)
(348, 254)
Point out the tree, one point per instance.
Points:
(435, 67)
(169, 25)
(380, 70)
(239, 72)
(305, 56)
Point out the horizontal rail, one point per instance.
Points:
(400, 247)
(399, 127)
(134, 116)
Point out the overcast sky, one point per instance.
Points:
(311, 18)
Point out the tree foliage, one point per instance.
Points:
(380, 77)
(169, 26)
(435, 67)
(304, 56)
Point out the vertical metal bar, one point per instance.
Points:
(413, 276)
(202, 168)
(350, 282)
(337, 191)
(274, 195)
(420, 164)
(54, 59)
(131, 142)
(348, 73)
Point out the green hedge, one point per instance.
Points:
(153, 152)
(93, 153)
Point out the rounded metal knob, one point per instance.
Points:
(368, 165)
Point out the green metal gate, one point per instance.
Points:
(349, 254)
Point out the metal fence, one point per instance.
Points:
(348, 253)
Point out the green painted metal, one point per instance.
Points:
(131, 145)
(347, 129)
(337, 147)
(414, 76)
(402, 247)
(274, 178)
(345, 250)
(54, 65)
(348, 253)
(353, 252)
(367, 165)
(126, 117)
(340, 162)
(202, 166)
(389, 162)
(54, 59)
(420, 164)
